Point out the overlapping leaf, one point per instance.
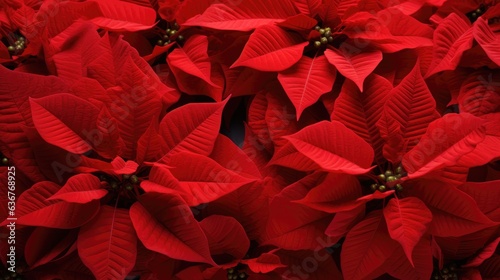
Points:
(81, 188)
(192, 59)
(270, 48)
(452, 37)
(412, 106)
(205, 180)
(454, 213)
(407, 221)
(196, 133)
(333, 147)
(108, 244)
(354, 66)
(33, 209)
(177, 235)
(366, 247)
(488, 40)
(246, 16)
(307, 80)
(451, 138)
(360, 111)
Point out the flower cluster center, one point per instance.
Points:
(473, 15)
(16, 44)
(327, 36)
(448, 272)
(388, 180)
(171, 34)
(234, 274)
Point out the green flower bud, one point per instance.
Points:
(391, 178)
(134, 179)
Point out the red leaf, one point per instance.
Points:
(307, 80)
(347, 205)
(121, 166)
(67, 129)
(225, 236)
(484, 193)
(136, 99)
(193, 127)
(204, 181)
(279, 117)
(302, 229)
(16, 114)
(230, 156)
(489, 41)
(245, 16)
(150, 146)
(399, 267)
(107, 140)
(360, 111)
(452, 37)
(248, 204)
(108, 244)
(479, 94)
(454, 213)
(265, 263)
(407, 221)
(335, 189)
(307, 7)
(354, 66)
(46, 244)
(412, 106)
(490, 269)
(81, 188)
(192, 59)
(343, 222)
(367, 246)
(333, 147)
(271, 48)
(446, 142)
(121, 16)
(484, 254)
(300, 22)
(33, 209)
(176, 235)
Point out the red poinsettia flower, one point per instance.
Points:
(291, 37)
(115, 114)
(423, 159)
